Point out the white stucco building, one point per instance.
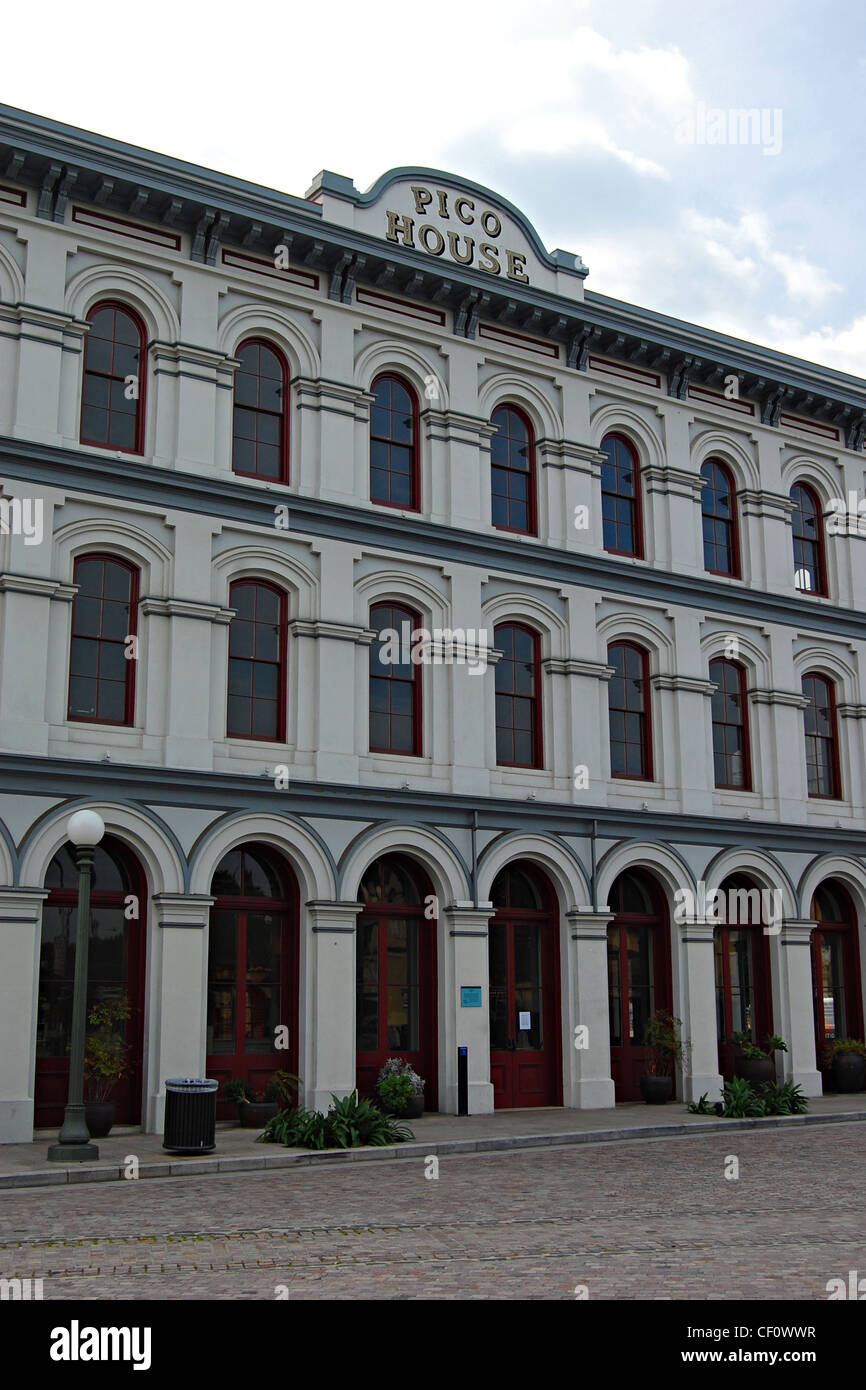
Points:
(253, 433)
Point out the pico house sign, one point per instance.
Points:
(457, 227)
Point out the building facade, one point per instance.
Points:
(445, 647)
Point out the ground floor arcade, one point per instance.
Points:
(262, 945)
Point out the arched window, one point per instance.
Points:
(629, 710)
(395, 974)
(742, 968)
(512, 471)
(810, 571)
(638, 974)
(252, 967)
(518, 710)
(731, 762)
(395, 682)
(112, 396)
(822, 744)
(257, 662)
(104, 613)
(620, 498)
(394, 473)
(523, 978)
(260, 430)
(835, 967)
(719, 518)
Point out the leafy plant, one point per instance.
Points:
(739, 1100)
(395, 1092)
(838, 1047)
(702, 1106)
(281, 1087)
(787, 1099)
(106, 1053)
(756, 1054)
(349, 1124)
(664, 1043)
(238, 1091)
(398, 1066)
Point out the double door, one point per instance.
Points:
(523, 1012)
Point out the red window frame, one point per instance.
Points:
(130, 665)
(414, 504)
(721, 695)
(90, 374)
(259, 410)
(645, 713)
(398, 615)
(511, 693)
(280, 663)
(635, 502)
(844, 928)
(513, 444)
(803, 544)
(811, 680)
(710, 469)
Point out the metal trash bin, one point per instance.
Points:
(190, 1115)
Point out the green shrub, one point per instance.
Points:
(783, 1100)
(349, 1124)
(238, 1091)
(702, 1106)
(839, 1046)
(395, 1092)
(739, 1100)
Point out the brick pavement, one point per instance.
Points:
(649, 1219)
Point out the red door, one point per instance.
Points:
(252, 970)
(742, 965)
(835, 969)
(524, 991)
(395, 1006)
(115, 970)
(638, 972)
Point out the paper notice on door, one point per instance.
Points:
(525, 1022)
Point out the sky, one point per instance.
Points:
(606, 121)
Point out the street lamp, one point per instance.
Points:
(85, 829)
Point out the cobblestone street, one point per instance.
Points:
(628, 1220)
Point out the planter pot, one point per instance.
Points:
(656, 1090)
(254, 1114)
(99, 1115)
(413, 1109)
(756, 1070)
(848, 1071)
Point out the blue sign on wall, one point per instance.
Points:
(470, 996)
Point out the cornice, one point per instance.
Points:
(185, 608)
(42, 588)
(792, 698)
(81, 471)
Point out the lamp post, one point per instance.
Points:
(85, 829)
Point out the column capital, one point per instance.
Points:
(697, 930)
(182, 909)
(333, 916)
(589, 923)
(465, 919)
(796, 931)
(21, 905)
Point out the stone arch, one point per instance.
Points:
(661, 860)
(562, 866)
(850, 872)
(525, 608)
(271, 563)
(442, 861)
(631, 625)
(720, 444)
(401, 586)
(405, 361)
(619, 418)
(125, 285)
(8, 857)
(306, 852)
(274, 326)
(760, 865)
(11, 279)
(510, 388)
(814, 472)
(149, 838)
(116, 537)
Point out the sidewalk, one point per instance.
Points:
(26, 1165)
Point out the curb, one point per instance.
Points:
(302, 1158)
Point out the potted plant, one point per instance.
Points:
(845, 1059)
(106, 1061)
(664, 1051)
(400, 1089)
(254, 1110)
(755, 1064)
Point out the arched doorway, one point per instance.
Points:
(525, 1049)
(395, 974)
(252, 968)
(638, 974)
(116, 956)
(742, 965)
(835, 967)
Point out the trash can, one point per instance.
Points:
(190, 1115)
